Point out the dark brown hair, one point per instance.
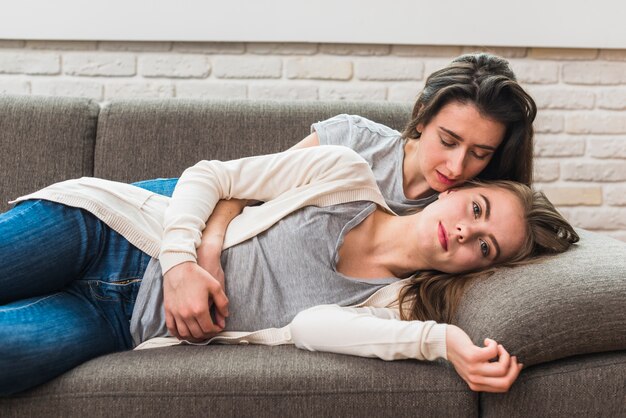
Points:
(486, 81)
(432, 295)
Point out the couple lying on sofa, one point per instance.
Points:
(96, 266)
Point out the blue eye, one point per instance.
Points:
(476, 209)
(484, 248)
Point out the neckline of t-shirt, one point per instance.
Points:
(352, 223)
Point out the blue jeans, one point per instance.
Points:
(68, 284)
(160, 186)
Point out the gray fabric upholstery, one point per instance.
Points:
(585, 386)
(567, 305)
(143, 139)
(573, 303)
(252, 381)
(44, 140)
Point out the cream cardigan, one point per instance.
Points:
(171, 229)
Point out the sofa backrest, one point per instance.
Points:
(44, 140)
(143, 139)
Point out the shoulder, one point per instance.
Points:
(359, 122)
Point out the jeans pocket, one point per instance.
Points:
(116, 295)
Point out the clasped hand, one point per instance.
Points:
(474, 363)
(189, 291)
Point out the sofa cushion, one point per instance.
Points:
(143, 139)
(593, 385)
(255, 381)
(44, 140)
(565, 305)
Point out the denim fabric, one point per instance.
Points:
(164, 187)
(68, 284)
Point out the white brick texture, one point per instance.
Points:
(389, 70)
(247, 67)
(546, 170)
(358, 50)
(563, 53)
(204, 90)
(505, 52)
(268, 91)
(594, 171)
(599, 218)
(573, 196)
(562, 98)
(141, 90)
(265, 48)
(68, 87)
(99, 64)
(594, 73)
(210, 47)
(404, 92)
(612, 99)
(174, 66)
(595, 123)
(354, 93)
(426, 51)
(14, 86)
(615, 195)
(558, 146)
(607, 148)
(536, 72)
(33, 63)
(319, 69)
(549, 122)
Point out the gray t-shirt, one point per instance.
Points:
(276, 274)
(382, 148)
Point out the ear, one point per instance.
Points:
(419, 128)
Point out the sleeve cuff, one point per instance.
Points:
(169, 260)
(437, 342)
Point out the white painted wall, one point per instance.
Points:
(532, 23)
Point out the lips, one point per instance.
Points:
(445, 180)
(443, 237)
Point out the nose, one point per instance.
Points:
(465, 232)
(456, 163)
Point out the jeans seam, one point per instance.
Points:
(30, 304)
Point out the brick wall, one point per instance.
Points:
(581, 94)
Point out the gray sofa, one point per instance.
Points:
(565, 318)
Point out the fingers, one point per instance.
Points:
(484, 375)
(170, 322)
(498, 384)
(189, 293)
(219, 297)
(497, 368)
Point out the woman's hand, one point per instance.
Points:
(188, 292)
(473, 364)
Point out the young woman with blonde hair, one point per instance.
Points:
(83, 262)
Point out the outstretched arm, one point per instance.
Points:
(379, 332)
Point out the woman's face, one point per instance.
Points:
(471, 228)
(456, 145)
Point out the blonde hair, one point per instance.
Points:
(433, 295)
